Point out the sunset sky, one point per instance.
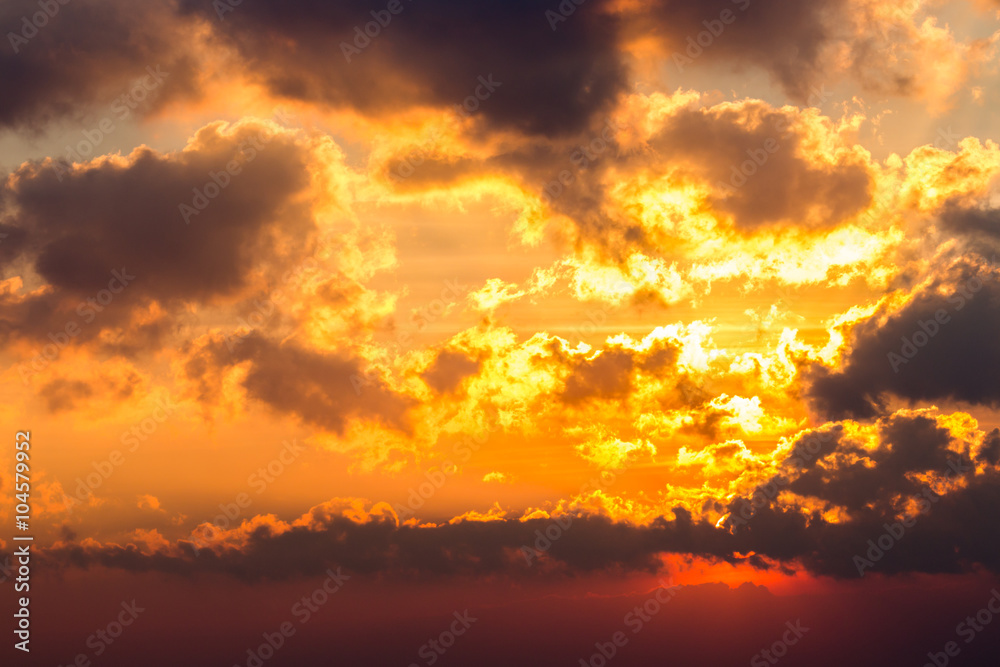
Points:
(496, 325)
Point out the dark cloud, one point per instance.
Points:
(607, 374)
(940, 345)
(953, 535)
(89, 54)
(448, 369)
(11, 243)
(556, 76)
(322, 389)
(558, 70)
(990, 452)
(113, 236)
(62, 394)
(917, 472)
(433, 53)
(786, 39)
(380, 545)
(970, 220)
(754, 157)
(855, 478)
(760, 163)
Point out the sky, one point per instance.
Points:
(593, 332)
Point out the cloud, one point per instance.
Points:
(608, 373)
(939, 344)
(887, 48)
(614, 454)
(683, 191)
(971, 220)
(912, 466)
(446, 372)
(371, 541)
(788, 40)
(857, 479)
(543, 81)
(730, 456)
(89, 54)
(323, 389)
(109, 238)
(62, 394)
(990, 451)
(547, 78)
(765, 166)
(824, 504)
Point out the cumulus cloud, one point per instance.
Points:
(937, 345)
(323, 389)
(109, 238)
(683, 190)
(910, 467)
(761, 163)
